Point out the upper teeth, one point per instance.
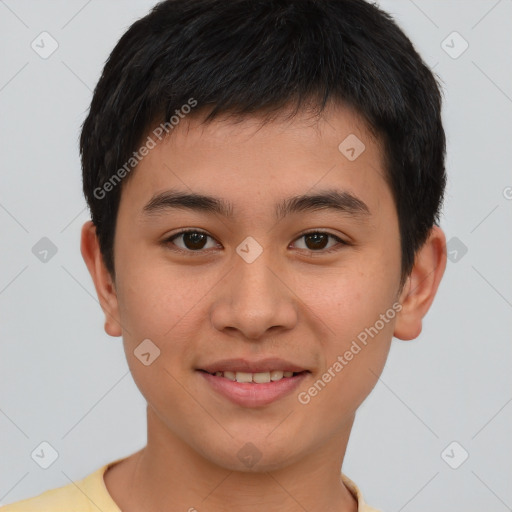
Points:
(259, 378)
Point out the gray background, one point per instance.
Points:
(64, 381)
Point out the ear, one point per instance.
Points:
(105, 287)
(421, 285)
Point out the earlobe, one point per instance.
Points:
(105, 288)
(421, 286)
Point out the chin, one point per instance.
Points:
(256, 456)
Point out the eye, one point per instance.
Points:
(316, 241)
(193, 240)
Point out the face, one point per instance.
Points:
(267, 283)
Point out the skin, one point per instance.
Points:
(291, 303)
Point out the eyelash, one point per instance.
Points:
(335, 248)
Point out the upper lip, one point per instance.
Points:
(244, 365)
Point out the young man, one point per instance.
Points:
(265, 180)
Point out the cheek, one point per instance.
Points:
(349, 299)
(162, 304)
(155, 299)
(357, 311)
(157, 305)
(353, 359)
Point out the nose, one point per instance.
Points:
(255, 299)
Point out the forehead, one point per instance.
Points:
(247, 161)
(306, 129)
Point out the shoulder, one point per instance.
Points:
(356, 492)
(60, 499)
(85, 495)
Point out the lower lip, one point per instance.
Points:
(249, 394)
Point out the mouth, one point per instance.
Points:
(253, 389)
(255, 377)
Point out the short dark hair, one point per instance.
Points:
(243, 57)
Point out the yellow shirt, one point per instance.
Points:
(90, 494)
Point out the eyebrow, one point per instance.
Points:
(330, 199)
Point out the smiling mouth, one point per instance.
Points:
(256, 378)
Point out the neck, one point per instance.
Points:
(170, 472)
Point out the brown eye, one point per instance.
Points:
(317, 241)
(194, 240)
(191, 240)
